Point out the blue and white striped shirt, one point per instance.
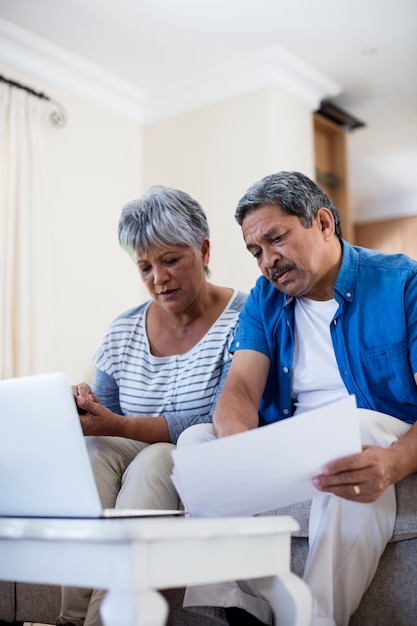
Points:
(183, 388)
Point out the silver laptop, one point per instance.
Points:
(45, 469)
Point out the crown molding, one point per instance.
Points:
(38, 57)
(272, 66)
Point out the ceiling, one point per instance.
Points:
(367, 49)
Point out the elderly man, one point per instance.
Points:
(324, 320)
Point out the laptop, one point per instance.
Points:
(45, 469)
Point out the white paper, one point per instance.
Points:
(265, 468)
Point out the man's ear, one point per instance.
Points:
(325, 221)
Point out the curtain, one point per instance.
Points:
(22, 228)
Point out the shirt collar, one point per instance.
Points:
(348, 272)
(346, 279)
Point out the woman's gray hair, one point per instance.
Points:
(295, 193)
(161, 218)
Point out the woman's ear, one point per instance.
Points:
(205, 251)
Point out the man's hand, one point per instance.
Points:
(361, 477)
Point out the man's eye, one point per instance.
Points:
(278, 239)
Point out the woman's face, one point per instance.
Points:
(174, 276)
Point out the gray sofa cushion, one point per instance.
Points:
(34, 605)
(7, 601)
(391, 600)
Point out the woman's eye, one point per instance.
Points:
(144, 269)
(170, 261)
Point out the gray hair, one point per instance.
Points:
(161, 218)
(295, 193)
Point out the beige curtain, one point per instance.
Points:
(22, 228)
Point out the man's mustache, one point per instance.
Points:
(278, 270)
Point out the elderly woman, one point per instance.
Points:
(160, 365)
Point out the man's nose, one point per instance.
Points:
(269, 258)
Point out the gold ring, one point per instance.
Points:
(357, 490)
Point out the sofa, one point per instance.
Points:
(391, 599)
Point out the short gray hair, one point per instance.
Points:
(161, 218)
(295, 194)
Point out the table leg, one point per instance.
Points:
(289, 597)
(145, 607)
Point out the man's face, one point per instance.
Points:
(298, 261)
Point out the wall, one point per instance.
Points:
(215, 153)
(100, 160)
(392, 236)
(94, 166)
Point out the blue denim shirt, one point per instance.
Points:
(374, 334)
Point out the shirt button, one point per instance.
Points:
(237, 344)
(348, 294)
(285, 370)
(286, 411)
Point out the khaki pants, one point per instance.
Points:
(129, 475)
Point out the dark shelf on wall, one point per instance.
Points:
(328, 179)
(339, 116)
(332, 168)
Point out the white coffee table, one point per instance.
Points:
(133, 558)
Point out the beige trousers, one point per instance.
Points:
(129, 475)
(346, 541)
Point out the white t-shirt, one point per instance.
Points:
(315, 375)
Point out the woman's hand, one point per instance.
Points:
(82, 390)
(98, 420)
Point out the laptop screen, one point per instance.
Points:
(45, 470)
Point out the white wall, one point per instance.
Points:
(215, 153)
(94, 167)
(101, 160)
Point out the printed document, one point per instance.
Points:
(268, 467)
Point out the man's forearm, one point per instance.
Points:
(234, 414)
(406, 450)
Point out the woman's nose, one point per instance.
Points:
(160, 275)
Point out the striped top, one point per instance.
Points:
(129, 380)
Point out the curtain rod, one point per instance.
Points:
(58, 116)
